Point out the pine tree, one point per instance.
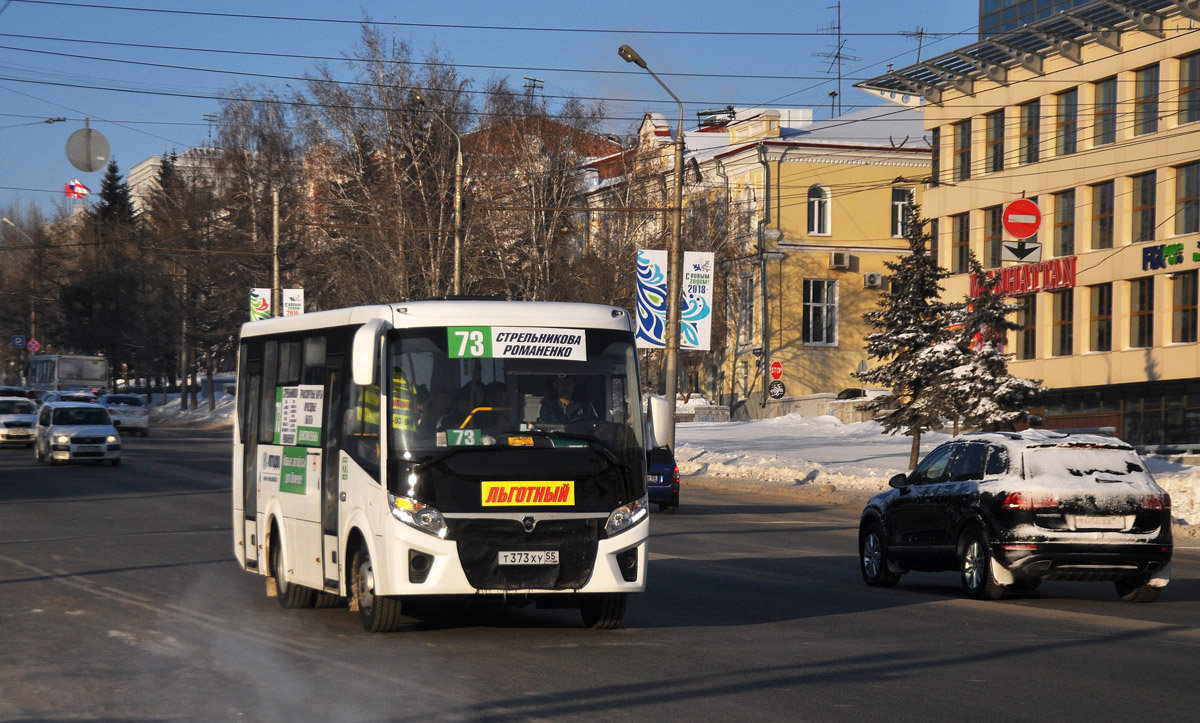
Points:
(911, 339)
(116, 205)
(984, 394)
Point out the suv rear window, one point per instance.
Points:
(126, 400)
(1084, 462)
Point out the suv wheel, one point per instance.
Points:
(872, 556)
(1135, 590)
(975, 566)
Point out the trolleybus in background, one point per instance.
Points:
(387, 452)
(67, 372)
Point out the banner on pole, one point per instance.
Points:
(293, 302)
(260, 304)
(695, 316)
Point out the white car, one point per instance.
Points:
(18, 415)
(128, 412)
(76, 432)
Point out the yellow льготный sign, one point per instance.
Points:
(508, 494)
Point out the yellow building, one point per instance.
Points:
(815, 209)
(1093, 115)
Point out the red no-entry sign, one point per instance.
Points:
(1021, 218)
(776, 370)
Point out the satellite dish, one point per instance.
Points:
(88, 150)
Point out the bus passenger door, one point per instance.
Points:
(330, 474)
(250, 423)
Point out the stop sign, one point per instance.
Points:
(1021, 218)
(776, 370)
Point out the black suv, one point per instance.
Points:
(1009, 510)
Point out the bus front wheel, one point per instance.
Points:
(377, 613)
(290, 595)
(603, 611)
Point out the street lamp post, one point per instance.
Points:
(458, 182)
(674, 258)
(32, 300)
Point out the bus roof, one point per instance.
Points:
(454, 312)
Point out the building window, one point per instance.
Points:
(962, 150)
(745, 310)
(1187, 199)
(1141, 312)
(1183, 317)
(1064, 223)
(1145, 101)
(993, 232)
(902, 198)
(1189, 88)
(1026, 327)
(1143, 207)
(960, 243)
(1031, 118)
(1102, 215)
(1062, 333)
(820, 312)
(1101, 320)
(1067, 125)
(1105, 128)
(935, 140)
(993, 146)
(933, 241)
(818, 211)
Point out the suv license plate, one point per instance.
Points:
(1100, 522)
(527, 557)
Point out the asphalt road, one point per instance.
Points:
(120, 600)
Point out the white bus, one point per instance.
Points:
(418, 449)
(67, 372)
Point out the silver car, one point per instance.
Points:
(76, 432)
(17, 417)
(128, 412)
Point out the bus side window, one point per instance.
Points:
(360, 425)
(266, 407)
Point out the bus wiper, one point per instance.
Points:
(591, 440)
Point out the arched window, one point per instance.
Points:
(818, 211)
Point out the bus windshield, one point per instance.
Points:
(450, 391)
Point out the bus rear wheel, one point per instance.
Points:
(377, 613)
(291, 596)
(603, 611)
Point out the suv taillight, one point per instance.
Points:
(1157, 502)
(676, 478)
(1029, 501)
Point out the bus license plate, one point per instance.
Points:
(528, 557)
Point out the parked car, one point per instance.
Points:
(76, 432)
(1009, 510)
(15, 392)
(863, 393)
(17, 417)
(662, 479)
(128, 412)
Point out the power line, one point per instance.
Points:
(455, 26)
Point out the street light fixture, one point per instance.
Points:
(419, 98)
(674, 258)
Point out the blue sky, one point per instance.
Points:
(555, 44)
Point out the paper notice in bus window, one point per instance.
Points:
(298, 413)
(516, 342)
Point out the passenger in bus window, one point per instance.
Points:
(465, 399)
(565, 402)
(496, 412)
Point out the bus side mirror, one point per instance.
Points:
(366, 351)
(658, 411)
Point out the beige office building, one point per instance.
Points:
(1094, 114)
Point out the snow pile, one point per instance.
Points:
(226, 406)
(793, 450)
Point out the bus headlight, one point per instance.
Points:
(416, 514)
(627, 516)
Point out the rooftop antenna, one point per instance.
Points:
(210, 118)
(838, 55)
(919, 34)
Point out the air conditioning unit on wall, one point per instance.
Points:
(872, 280)
(839, 259)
